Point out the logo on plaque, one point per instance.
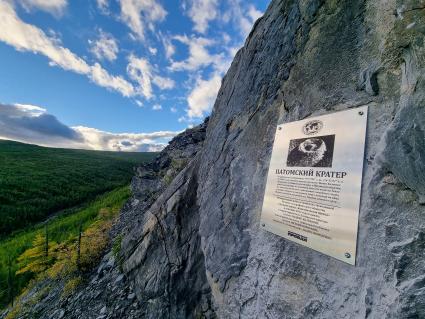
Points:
(312, 127)
(313, 186)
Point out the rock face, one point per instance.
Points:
(107, 292)
(153, 178)
(192, 246)
(199, 252)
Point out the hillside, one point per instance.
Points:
(38, 181)
(105, 281)
(62, 230)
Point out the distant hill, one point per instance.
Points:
(38, 181)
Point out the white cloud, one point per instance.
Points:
(55, 7)
(169, 48)
(139, 103)
(141, 71)
(163, 83)
(173, 109)
(233, 50)
(101, 77)
(243, 16)
(198, 54)
(202, 97)
(138, 14)
(226, 38)
(253, 13)
(31, 110)
(32, 124)
(104, 47)
(153, 51)
(156, 107)
(202, 12)
(26, 37)
(100, 140)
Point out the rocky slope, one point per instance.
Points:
(107, 292)
(198, 250)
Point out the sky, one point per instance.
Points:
(119, 75)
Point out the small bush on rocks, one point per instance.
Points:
(71, 286)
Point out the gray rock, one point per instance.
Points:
(100, 268)
(94, 280)
(302, 58)
(192, 246)
(119, 279)
(169, 240)
(111, 262)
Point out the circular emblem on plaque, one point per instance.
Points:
(312, 127)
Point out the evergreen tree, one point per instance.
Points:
(36, 259)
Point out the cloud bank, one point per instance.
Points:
(204, 91)
(32, 124)
(204, 65)
(26, 37)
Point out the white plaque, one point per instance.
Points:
(313, 186)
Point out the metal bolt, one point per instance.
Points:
(347, 255)
(280, 128)
(361, 113)
(264, 225)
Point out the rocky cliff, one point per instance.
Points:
(199, 251)
(192, 245)
(106, 292)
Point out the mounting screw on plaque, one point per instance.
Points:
(264, 225)
(279, 128)
(361, 113)
(348, 255)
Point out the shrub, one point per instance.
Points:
(116, 246)
(93, 243)
(36, 259)
(71, 286)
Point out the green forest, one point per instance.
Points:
(36, 182)
(48, 199)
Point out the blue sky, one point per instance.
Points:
(120, 74)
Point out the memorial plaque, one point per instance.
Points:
(313, 186)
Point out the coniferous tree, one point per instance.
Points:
(36, 259)
(80, 231)
(10, 281)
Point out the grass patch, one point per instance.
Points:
(95, 221)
